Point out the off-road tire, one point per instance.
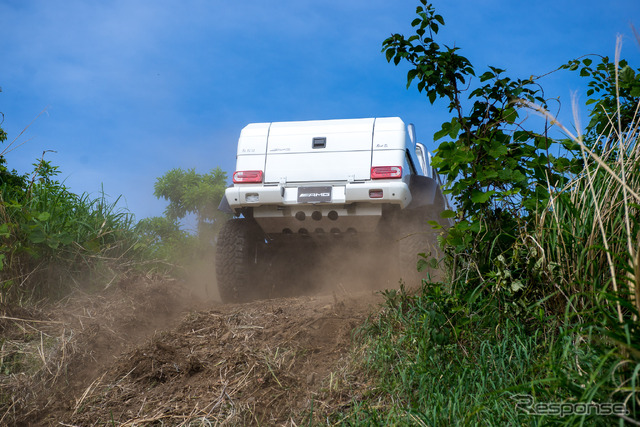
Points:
(238, 261)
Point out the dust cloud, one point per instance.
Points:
(153, 349)
(336, 266)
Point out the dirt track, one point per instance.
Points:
(148, 352)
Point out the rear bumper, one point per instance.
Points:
(351, 209)
(253, 196)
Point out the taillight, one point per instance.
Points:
(386, 172)
(244, 177)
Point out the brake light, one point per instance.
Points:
(386, 172)
(244, 177)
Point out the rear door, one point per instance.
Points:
(315, 151)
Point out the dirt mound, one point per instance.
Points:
(147, 353)
(258, 363)
(49, 354)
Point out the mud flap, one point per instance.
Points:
(224, 206)
(423, 191)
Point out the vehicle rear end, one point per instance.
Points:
(333, 201)
(321, 177)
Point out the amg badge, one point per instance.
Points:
(314, 194)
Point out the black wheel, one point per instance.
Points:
(416, 236)
(238, 261)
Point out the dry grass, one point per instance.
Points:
(604, 198)
(46, 353)
(34, 356)
(591, 231)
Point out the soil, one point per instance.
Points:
(151, 351)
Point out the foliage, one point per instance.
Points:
(436, 357)
(591, 230)
(167, 241)
(52, 239)
(160, 228)
(498, 171)
(3, 134)
(189, 192)
(617, 89)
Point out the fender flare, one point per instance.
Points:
(425, 191)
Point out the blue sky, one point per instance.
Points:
(133, 88)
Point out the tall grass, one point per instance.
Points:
(52, 240)
(435, 360)
(591, 231)
(591, 228)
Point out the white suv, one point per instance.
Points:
(317, 182)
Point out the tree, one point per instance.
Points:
(189, 192)
(497, 170)
(610, 95)
(160, 229)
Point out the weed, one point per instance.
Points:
(52, 239)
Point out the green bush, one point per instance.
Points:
(52, 240)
